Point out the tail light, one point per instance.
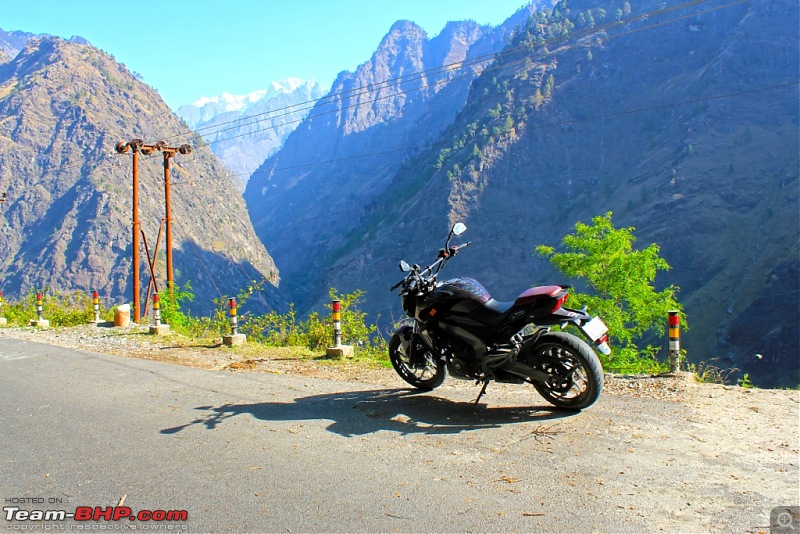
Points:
(560, 302)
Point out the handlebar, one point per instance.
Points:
(432, 269)
(397, 285)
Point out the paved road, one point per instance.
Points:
(263, 452)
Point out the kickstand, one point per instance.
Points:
(483, 391)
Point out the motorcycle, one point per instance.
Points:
(455, 327)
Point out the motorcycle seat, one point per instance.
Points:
(492, 312)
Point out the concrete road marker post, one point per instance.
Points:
(338, 350)
(235, 338)
(96, 308)
(674, 342)
(40, 321)
(157, 328)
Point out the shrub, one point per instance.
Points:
(61, 309)
(621, 283)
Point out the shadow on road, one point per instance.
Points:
(365, 412)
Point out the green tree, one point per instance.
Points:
(508, 124)
(548, 86)
(476, 152)
(621, 280)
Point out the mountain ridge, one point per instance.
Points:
(345, 152)
(693, 143)
(65, 224)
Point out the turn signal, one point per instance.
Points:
(602, 345)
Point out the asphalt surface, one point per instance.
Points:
(260, 452)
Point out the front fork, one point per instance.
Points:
(411, 339)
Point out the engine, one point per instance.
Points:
(462, 369)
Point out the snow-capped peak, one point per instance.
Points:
(206, 108)
(230, 102)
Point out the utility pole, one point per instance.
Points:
(137, 145)
(168, 153)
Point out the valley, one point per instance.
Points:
(681, 119)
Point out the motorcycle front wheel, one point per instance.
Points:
(576, 373)
(425, 372)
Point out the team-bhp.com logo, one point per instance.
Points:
(88, 513)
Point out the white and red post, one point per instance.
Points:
(234, 319)
(40, 321)
(96, 307)
(338, 350)
(674, 341)
(336, 315)
(157, 328)
(235, 338)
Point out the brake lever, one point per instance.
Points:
(454, 249)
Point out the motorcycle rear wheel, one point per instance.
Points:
(577, 373)
(428, 374)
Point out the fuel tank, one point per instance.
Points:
(455, 301)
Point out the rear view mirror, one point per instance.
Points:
(404, 266)
(458, 228)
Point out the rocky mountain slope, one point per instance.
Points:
(66, 223)
(681, 119)
(11, 42)
(245, 130)
(305, 200)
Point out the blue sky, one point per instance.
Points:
(189, 49)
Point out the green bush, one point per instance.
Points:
(170, 307)
(61, 309)
(316, 331)
(621, 284)
(275, 329)
(272, 328)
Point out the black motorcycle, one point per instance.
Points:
(457, 327)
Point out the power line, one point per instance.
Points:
(574, 36)
(359, 91)
(675, 104)
(451, 67)
(538, 56)
(544, 125)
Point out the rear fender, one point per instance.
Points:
(564, 316)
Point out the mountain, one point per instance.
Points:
(305, 200)
(66, 223)
(11, 43)
(682, 120)
(14, 41)
(245, 130)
